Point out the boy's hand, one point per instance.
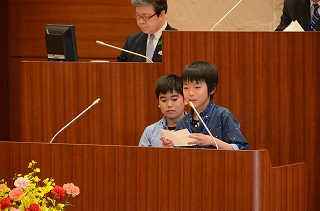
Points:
(201, 139)
(166, 142)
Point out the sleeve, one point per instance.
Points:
(231, 131)
(144, 140)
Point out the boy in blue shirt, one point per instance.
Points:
(170, 97)
(199, 81)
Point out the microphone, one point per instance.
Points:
(226, 15)
(121, 49)
(192, 106)
(94, 103)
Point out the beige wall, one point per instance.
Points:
(202, 15)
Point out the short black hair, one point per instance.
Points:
(158, 5)
(201, 71)
(168, 83)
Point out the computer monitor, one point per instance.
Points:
(61, 42)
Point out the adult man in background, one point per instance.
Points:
(150, 15)
(304, 11)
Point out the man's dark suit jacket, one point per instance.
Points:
(295, 10)
(138, 43)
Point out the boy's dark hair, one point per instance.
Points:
(158, 5)
(168, 83)
(201, 71)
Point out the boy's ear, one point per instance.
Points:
(214, 90)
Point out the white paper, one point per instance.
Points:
(179, 137)
(294, 26)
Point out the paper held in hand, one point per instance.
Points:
(179, 137)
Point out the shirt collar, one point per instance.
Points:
(158, 33)
(204, 114)
(312, 3)
(164, 123)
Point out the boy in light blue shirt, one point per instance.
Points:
(171, 103)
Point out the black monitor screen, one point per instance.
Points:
(61, 43)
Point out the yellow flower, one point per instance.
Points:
(29, 192)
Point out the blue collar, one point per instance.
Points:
(207, 121)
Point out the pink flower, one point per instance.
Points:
(15, 194)
(14, 209)
(5, 203)
(70, 188)
(2, 187)
(58, 191)
(33, 207)
(22, 182)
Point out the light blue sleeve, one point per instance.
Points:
(144, 140)
(234, 146)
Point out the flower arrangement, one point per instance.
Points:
(28, 195)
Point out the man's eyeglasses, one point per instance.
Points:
(144, 17)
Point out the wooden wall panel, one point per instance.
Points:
(53, 93)
(4, 72)
(268, 80)
(15, 100)
(140, 178)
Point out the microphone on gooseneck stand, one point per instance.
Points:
(121, 49)
(195, 110)
(226, 14)
(94, 103)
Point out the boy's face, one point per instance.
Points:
(197, 93)
(171, 105)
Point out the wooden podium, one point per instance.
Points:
(140, 178)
